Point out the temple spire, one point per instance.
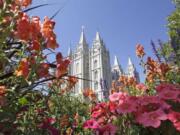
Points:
(98, 37)
(116, 61)
(69, 51)
(82, 39)
(129, 61)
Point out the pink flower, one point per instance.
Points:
(151, 119)
(108, 129)
(141, 86)
(151, 103)
(164, 87)
(112, 107)
(145, 100)
(114, 97)
(127, 107)
(169, 95)
(92, 124)
(174, 117)
(177, 125)
(97, 113)
(99, 110)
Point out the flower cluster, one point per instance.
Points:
(156, 70)
(140, 50)
(146, 110)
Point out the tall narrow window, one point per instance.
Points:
(95, 63)
(77, 67)
(96, 85)
(77, 88)
(95, 75)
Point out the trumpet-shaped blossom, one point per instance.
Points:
(163, 87)
(174, 117)
(114, 97)
(127, 107)
(43, 70)
(169, 95)
(108, 129)
(91, 124)
(151, 119)
(23, 69)
(23, 27)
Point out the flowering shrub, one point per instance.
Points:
(36, 97)
(34, 93)
(145, 108)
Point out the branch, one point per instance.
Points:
(6, 75)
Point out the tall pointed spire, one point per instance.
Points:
(82, 39)
(130, 61)
(69, 51)
(116, 61)
(98, 37)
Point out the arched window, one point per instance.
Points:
(77, 67)
(95, 63)
(96, 85)
(77, 88)
(95, 75)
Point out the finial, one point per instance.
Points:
(82, 37)
(82, 27)
(116, 62)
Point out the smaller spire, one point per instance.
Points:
(69, 51)
(98, 37)
(130, 61)
(82, 37)
(116, 61)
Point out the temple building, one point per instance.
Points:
(92, 64)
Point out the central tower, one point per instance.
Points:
(80, 64)
(99, 64)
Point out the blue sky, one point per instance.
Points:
(121, 23)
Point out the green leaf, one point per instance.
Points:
(23, 101)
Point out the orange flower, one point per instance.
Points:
(2, 90)
(123, 80)
(51, 43)
(64, 121)
(23, 27)
(23, 3)
(35, 29)
(62, 68)
(151, 64)
(47, 30)
(72, 81)
(132, 81)
(164, 68)
(35, 45)
(140, 50)
(43, 70)
(23, 69)
(89, 94)
(150, 77)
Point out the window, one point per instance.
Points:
(96, 85)
(77, 88)
(77, 67)
(95, 64)
(95, 75)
